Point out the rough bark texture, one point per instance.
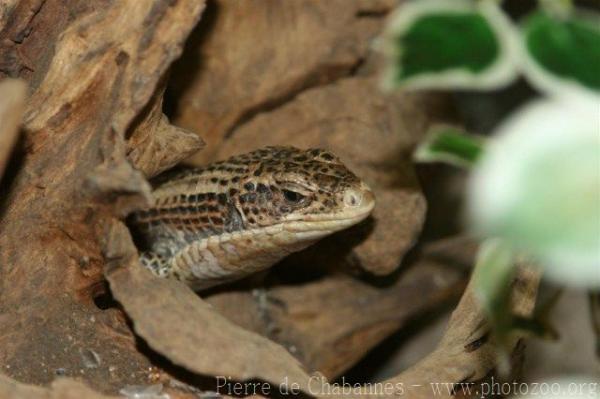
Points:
(332, 323)
(12, 103)
(91, 69)
(252, 56)
(93, 129)
(154, 145)
(466, 354)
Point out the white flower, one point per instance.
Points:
(538, 186)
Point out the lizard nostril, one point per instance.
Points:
(352, 198)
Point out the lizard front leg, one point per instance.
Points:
(159, 265)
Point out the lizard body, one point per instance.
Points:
(232, 218)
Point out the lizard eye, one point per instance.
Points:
(293, 197)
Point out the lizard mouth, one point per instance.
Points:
(357, 208)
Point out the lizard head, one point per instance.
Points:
(309, 192)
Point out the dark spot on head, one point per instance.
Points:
(261, 188)
(249, 186)
(222, 199)
(214, 179)
(204, 219)
(235, 179)
(223, 182)
(211, 196)
(248, 197)
(255, 211)
(232, 192)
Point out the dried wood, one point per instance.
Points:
(91, 68)
(466, 354)
(178, 324)
(332, 323)
(253, 56)
(12, 104)
(155, 145)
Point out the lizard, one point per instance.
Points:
(231, 218)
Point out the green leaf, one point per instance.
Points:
(464, 41)
(449, 44)
(493, 273)
(563, 51)
(450, 145)
(492, 278)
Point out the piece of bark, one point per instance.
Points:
(255, 55)
(154, 144)
(466, 354)
(175, 322)
(93, 67)
(373, 134)
(332, 323)
(12, 104)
